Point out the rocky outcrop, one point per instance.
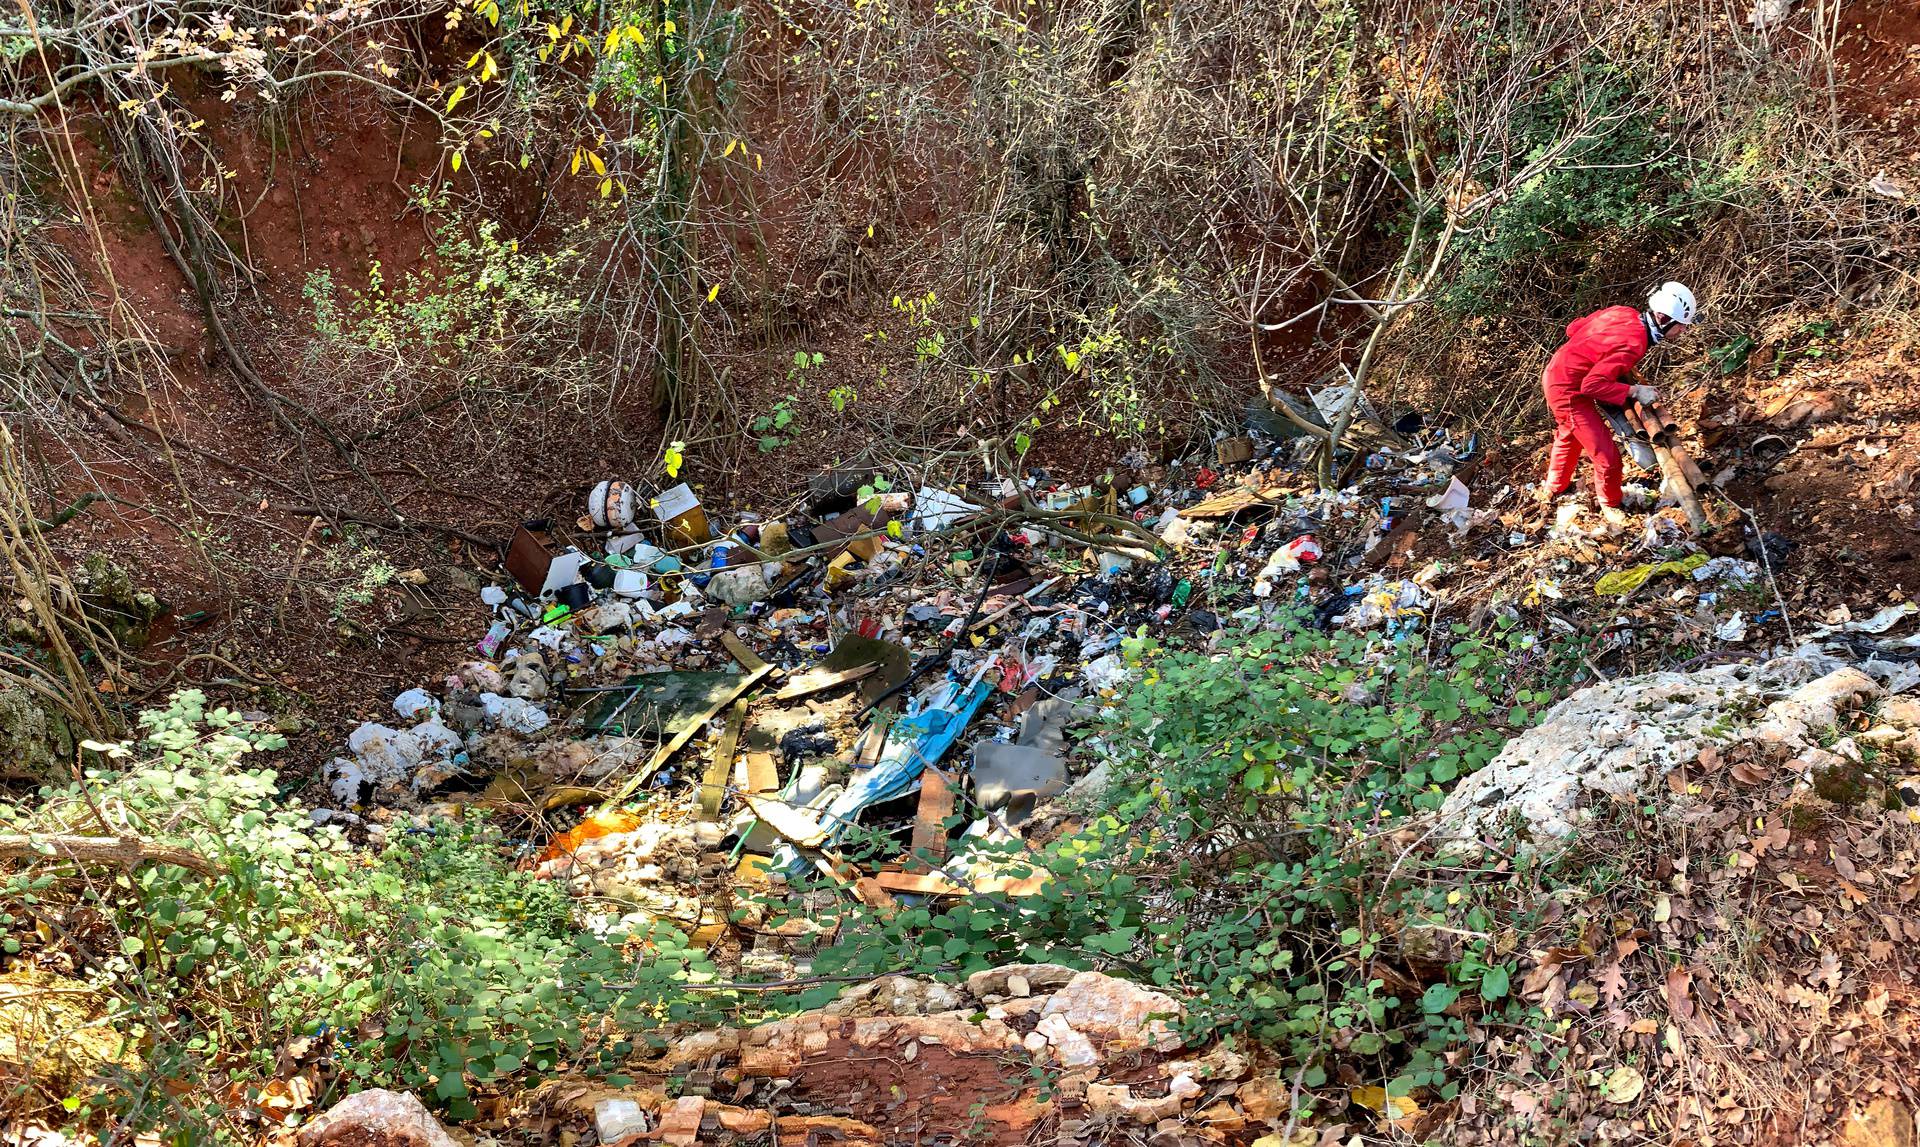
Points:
(1616, 739)
(55, 1033)
(36, 741)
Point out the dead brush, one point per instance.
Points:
(1734, 947)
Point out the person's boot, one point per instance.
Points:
(1615, 518)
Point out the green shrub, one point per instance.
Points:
(429, 964)
(1253, 853)
(1626, 182)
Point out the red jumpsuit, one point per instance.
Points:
(1591, 367)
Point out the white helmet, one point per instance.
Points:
(1674, 301)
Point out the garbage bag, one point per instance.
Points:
(413, 703)
(1621, 582)
(514, 714)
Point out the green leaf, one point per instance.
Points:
(1494, 983)
(1438, 998)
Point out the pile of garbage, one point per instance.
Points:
(714, 700)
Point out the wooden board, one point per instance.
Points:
(713, 787)
(999, 614)
(869, 891)
(759, 774)
(930, 824)
(817, 681)
(680, 739)
(794, 824)
(748, 659)
(1232, 502)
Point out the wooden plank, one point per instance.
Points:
(815, 681)
(930, 824)
(1016, 603)
(748, 659)
(873, 894)
(794, 824)
(873, 742)
(680, 739)
(761, 775)
(713, 787)
(938, 884)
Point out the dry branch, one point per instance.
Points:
(122, 850)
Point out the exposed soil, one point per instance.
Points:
(1877, 59)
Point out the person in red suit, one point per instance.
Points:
(1592, 367)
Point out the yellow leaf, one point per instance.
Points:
(613, 41)
(456, 161)
(525, 160)
(1623, 1085)
(714, 293)
(667, 27)
(593, 98)
(869, 230)
(606, 188)
(638, 37)
(599, 165)
(1395, 1109)
(756, 161)
(489, 69)
(577, 156)
(553, 31)
(455, 97)
(475, 58)
(733, 145)
(566, 25)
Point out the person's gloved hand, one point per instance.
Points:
(1643, 394)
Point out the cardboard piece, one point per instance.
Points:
(1229, 451)
(528, 558)
(859, 520)
(682, 518)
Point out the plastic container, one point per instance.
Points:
(630, 582)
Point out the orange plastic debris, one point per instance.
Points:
(606, 822)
